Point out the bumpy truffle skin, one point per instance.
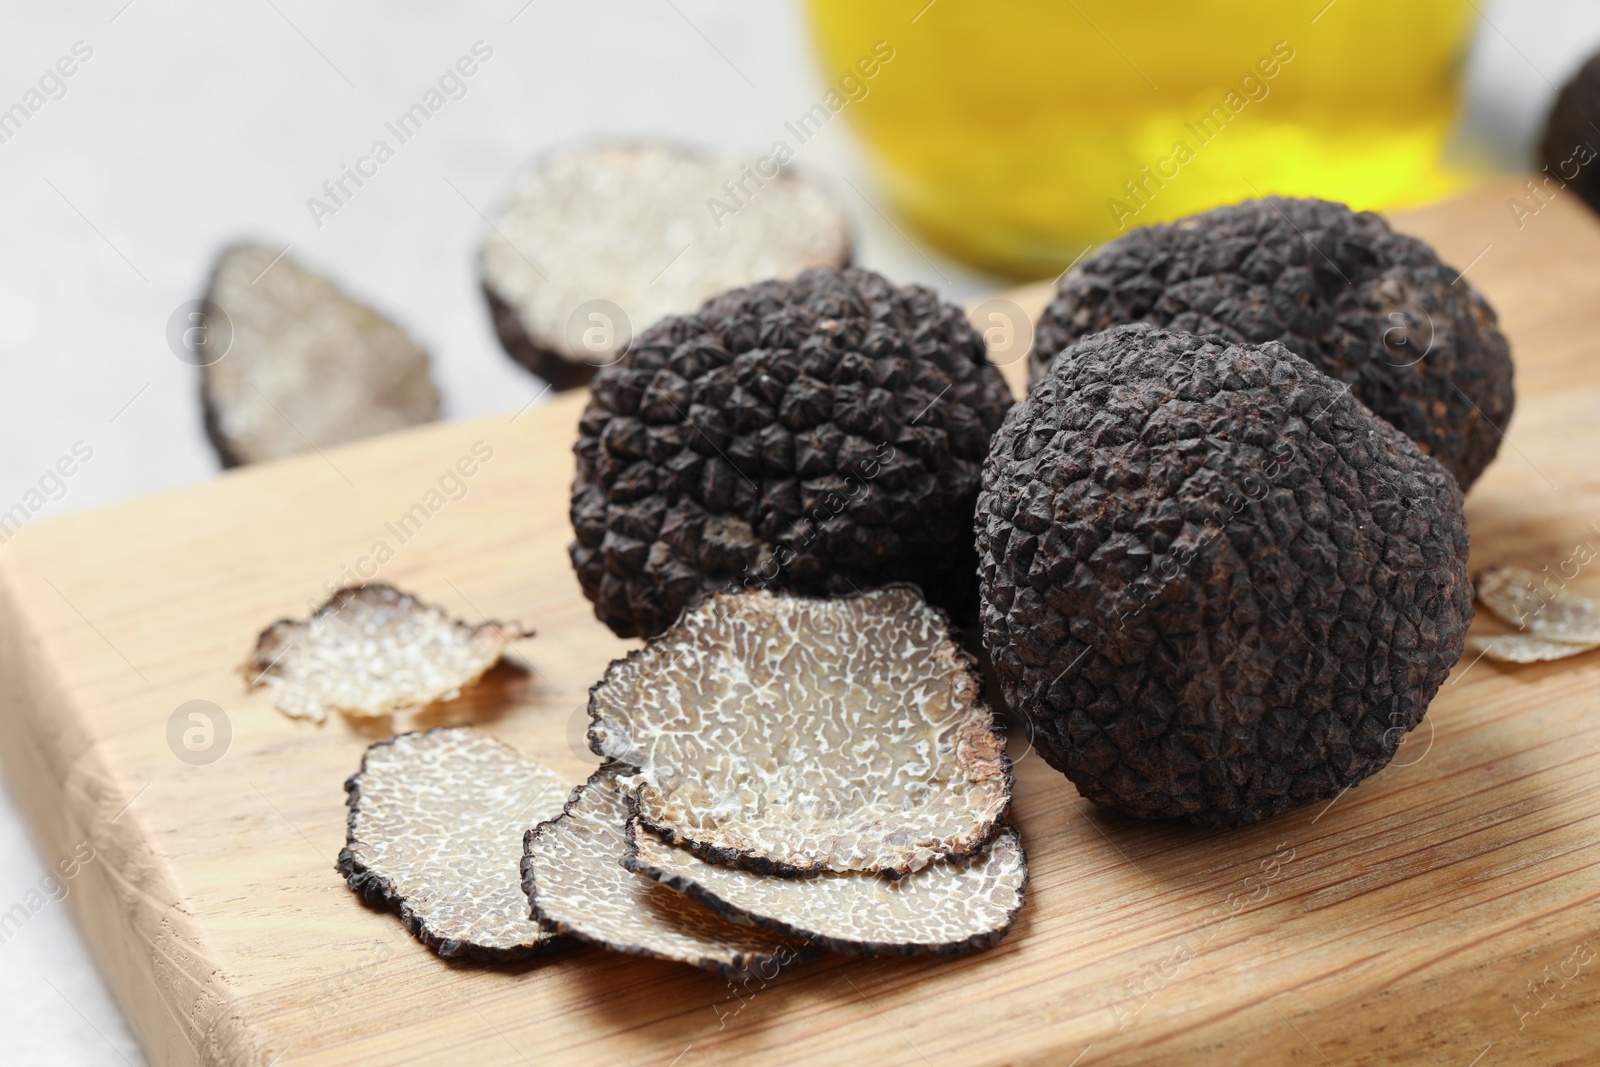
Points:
(822, 435)
(1217, 585)
(1368, 306)
(1570, 142)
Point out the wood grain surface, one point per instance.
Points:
(1446, 911)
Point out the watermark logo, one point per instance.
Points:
(1404, 739)
(1410, 337)
(599, 333)
(853, 86)
(1549, 983)
(199, 332)
(1152, 978)
(338, 191)
(51, 486)
(578, 736)
(51, 85)
(53, 887)
(1019, 736)
(451, 485)
(1253, 87)
(199, 732)
(1006, 329)
(744, 993)
(1543, 190)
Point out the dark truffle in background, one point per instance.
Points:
(1370, 307)
(1571, 133)
(1216, 585)
(823, 435)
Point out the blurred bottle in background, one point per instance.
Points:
(1012, 134)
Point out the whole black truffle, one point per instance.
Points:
(821, 435)
(1217, 585)
(1368, 306)
(1568, 148)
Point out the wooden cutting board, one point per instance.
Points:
(1446, 911)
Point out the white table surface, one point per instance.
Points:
(195, 123)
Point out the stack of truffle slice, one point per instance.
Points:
(784, 775)
(821, 768)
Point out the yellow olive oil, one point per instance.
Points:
(1014, 134)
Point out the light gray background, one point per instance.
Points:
(194, 123)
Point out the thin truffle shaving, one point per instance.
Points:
(372, 650)
(1519, 648)
(298, 365)
(435, 830)
(575, 884)
(790, 734)
(626, 225)
(1522, 598)
(947, 907)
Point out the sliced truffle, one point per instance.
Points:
(789, 734)
(1524, 599)
(596, 242)
(950, 906)
(1216, 584)
(372, 650)
(307, 367)
(819, 435)
(1368, 306)
(573, 876)
(1568, 149)
(1522, 648)
(1555, 624)
(435, 833)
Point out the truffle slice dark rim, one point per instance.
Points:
(709, 900)
(1527, 648)
(732, 857)
(743, 965)
(562, 372)
(729, 857)
(380, 892)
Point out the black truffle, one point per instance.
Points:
(1217, 585)
(1368, 306)
(821, 435)
(1572, 132)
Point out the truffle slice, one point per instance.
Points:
(1216, 584)
(435, 830)
(596, 242)
(307, 367)
(1515, 595)
(789, 734)
(574, 880)
(820, 435)
(1522, 648)
(1374, 309)
(1568, 148)
(372, 650)
(950, 906)
(1554, 625)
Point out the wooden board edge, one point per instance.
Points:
(127, 902)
